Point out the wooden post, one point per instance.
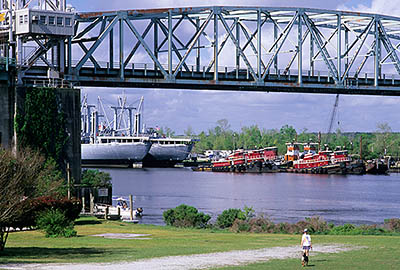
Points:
(106, 214)
(131, 206)
(319, 140)
(83, 204)
(91, 201)
(119, 213)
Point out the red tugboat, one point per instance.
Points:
(260, 160)
(293, 151)
(323, 161)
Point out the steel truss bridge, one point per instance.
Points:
(223, 48)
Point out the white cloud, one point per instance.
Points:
(384, 7)
(91, 5)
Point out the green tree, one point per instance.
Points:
(96, 178)
(40, 124)
(189, 132)
(22, 177)
(223, 124)
(383, 138)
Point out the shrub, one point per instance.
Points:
(228, 217)
(240, 225)
(32, 207)
(284, 227)
(344, 229)
(185, 216)
(350, 229)
(392, 224)
(314, 224)
(371, 230)
(55, 224)
(23, 178)
(261, 224)
(249, 212)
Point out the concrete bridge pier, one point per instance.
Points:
(69, 100)
(7, 100)
(71, 106)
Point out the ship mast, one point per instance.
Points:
(138, 117)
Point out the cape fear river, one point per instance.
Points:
(283, 197)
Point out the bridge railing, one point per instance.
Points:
(6, 62)
(53, 83)
(242, 70)
(227, 72)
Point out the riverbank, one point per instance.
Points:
(31, 247)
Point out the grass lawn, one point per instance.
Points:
(382, 252)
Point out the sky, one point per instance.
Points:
(179, 109)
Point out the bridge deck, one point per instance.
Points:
(230, 81)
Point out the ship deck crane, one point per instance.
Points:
(333, 116)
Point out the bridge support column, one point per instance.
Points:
(68, 100)
(7, 99)
(70, 103)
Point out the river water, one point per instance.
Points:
(283, 197)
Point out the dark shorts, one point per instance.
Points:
(306, 247)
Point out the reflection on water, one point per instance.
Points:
(283, 197)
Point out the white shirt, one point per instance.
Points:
(306, 240)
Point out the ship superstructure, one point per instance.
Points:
(127, 123)
(314, 160)
(105, 143)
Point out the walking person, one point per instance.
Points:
(306, 245)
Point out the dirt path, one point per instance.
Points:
(199, 261)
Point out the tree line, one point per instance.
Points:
(382, 142)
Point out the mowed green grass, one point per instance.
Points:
(378, 252)
(34, 247)
(381, 252)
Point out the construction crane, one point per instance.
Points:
(333, 116)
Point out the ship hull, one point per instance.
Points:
(166, 155)
(257, 167)
(376, 168)
(114, 153)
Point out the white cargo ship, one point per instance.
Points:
(115, 150)
(110, 144)
(166, 152)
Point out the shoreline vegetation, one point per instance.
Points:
(29, 247)
(239, 221)
(382, 142)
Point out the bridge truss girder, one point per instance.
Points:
(256, 47)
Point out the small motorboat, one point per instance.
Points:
(120, 211)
